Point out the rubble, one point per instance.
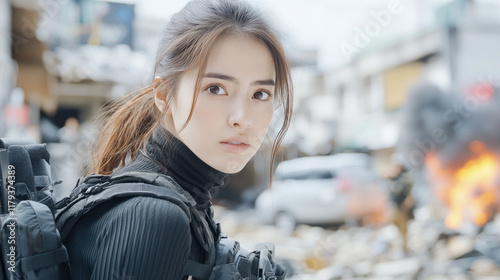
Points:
(435, 252)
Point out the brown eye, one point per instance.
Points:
(261, 95)
(216, 90)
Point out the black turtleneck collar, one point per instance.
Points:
(168, 155)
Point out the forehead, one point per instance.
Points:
(243, 57)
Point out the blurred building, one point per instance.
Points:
(314, 126)
(5, 57)
(459, 51)
(72, 57)
(92, 56)
(7, 66)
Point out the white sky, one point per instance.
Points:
(323, 24)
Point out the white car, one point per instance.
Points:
(322, 190)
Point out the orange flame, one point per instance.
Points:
(470, 192)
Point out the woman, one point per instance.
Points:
(220, 74)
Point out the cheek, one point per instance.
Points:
(180, 113)
(206, 120)
(200, 116)
(264, 118)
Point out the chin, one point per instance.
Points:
(232, 166)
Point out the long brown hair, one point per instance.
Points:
(127, 124)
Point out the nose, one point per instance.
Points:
(240, 115)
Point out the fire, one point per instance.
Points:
(470, 191)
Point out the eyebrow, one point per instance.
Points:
(269, 82)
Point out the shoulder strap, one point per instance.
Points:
(200, 221)
(67, 217)
(96, 189)
(155, 179)
(197, 270)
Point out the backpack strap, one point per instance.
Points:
(201, 222)
(96, 189)
(37, 262)
(197, 270)
(67, 217)
(157, 180)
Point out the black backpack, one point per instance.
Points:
(33, 225)
(32, 246)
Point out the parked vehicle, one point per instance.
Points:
(323, 190)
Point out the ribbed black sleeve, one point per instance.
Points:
(139, 238)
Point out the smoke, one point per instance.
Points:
(446, 123)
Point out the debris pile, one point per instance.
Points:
(434, 251)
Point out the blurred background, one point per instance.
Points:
(391, 164)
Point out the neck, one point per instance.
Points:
(179, 162)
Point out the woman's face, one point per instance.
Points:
(234, 107)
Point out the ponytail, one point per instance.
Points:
(124, 128)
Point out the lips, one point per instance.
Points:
(236, 140)
(236, 144)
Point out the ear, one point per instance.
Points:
(160, 102)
